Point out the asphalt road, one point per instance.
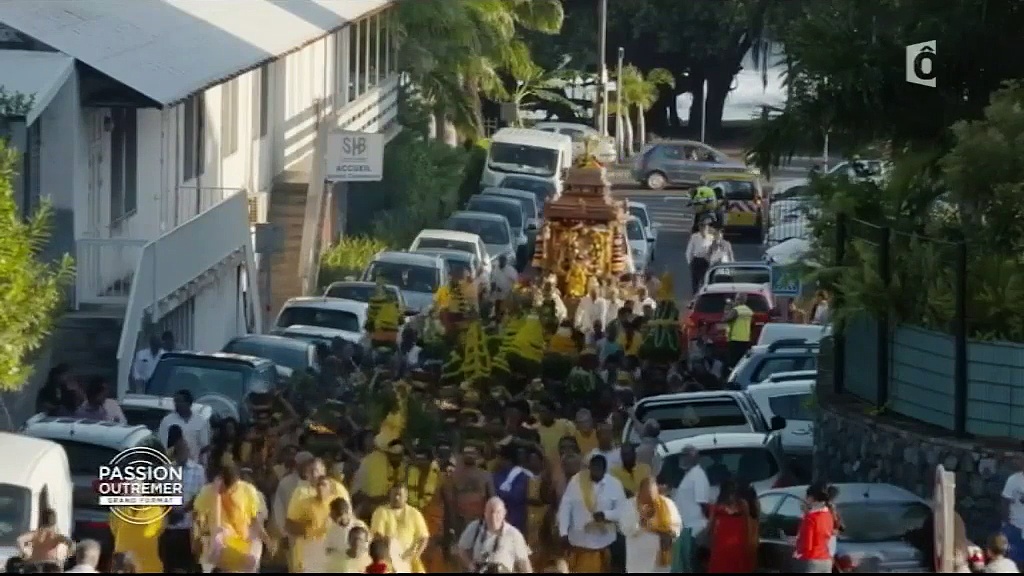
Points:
(668, 208)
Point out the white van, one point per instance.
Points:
(37, 476)
(522, 151)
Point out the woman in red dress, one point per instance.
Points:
(729, 533)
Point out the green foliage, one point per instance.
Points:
(421, 184)
(475, 163)
(31, 290)
(349, 257)
(15, 103)
(973, 192)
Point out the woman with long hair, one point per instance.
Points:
(816, 531)
(729, 532)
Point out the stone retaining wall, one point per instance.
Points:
(851, 446)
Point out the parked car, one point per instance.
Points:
(90, 444)
(640, 212)
(760, 362)
(794, 376)
(431, 239)
(220, 380)
(751, 458)
(417, 276)
(793, 401)
(512, 210)
(681, 163)
(289, 356)
(362, 291)
(743, 272)
(744, 203)
(322, 317)
(462, 264)
(532, 208)
(638, 246)
(875, 170)
(543, 189)
(810, 333)
(709, 306)
(583, 136)
(886, 529)
(493, 229)
(790, 189)
(693, 413)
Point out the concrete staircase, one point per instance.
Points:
(87, 340)
(288, 210)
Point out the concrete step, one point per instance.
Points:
(88, 342)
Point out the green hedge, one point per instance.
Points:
(348, 258)
(474, 169)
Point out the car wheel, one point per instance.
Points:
(655, 181)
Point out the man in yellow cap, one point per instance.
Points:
(377, 473)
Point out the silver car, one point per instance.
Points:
(493, 229)
(681, 163)
(417, 276)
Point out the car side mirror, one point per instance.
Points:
(777, 423)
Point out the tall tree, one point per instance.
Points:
(31, 289)
(639, 93)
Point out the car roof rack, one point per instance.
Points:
(791, 343)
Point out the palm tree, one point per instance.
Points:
(640, 92)
(535, 84)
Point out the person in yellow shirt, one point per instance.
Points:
(630, 472)
(229, 510)
(405, 529)
(309, 518)
(552, 429)
(137, 531)
(356, 557)
(300, 521)
(586, 434)
(378, 472)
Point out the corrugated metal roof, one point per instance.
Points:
(37, 74)
(169, 49)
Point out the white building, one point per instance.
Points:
(160, 127)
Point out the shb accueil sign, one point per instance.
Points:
(355, 157)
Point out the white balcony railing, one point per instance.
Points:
(105, 269)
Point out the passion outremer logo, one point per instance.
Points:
(140, 485)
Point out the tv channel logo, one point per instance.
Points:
(921, 63)
(140, 485)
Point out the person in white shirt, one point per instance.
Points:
(615, 304)
(492, 541)
(1013, 512)
(606, 446)
(698, 250)
(720, 251)
(503, 280)
(643, 302)
(87, 557)
(175, 542)
(145, 363)
(650, 523)
(195, 430)
(693, 496)
(998, 548)
(586, 517)
(591, 311)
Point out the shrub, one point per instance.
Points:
(348, 257)
(474, 169)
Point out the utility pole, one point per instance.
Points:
(602, 49)
(703, 110)
(620, 136)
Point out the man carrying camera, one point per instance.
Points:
(493, 545)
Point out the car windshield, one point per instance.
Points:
(541, 189)
(201, 377)
(529, 205)
(511, 212)
(715, 303)
(444, 244)
(358, 292)
(882, 521)
(411, 277)
(490, 231)
(532, 159)
(715, 413)
(746, 465)
(640, 215)
(459, 267)
(736, 189)
(744, 275)
(292, 357)
(319, 317)
(634, 231)
(15, 512)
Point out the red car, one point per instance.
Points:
(707, 310)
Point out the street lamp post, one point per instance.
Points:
(703, 110)
(620, 137)
(602, 50)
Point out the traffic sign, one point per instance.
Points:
(354, 156)
(786, 280)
